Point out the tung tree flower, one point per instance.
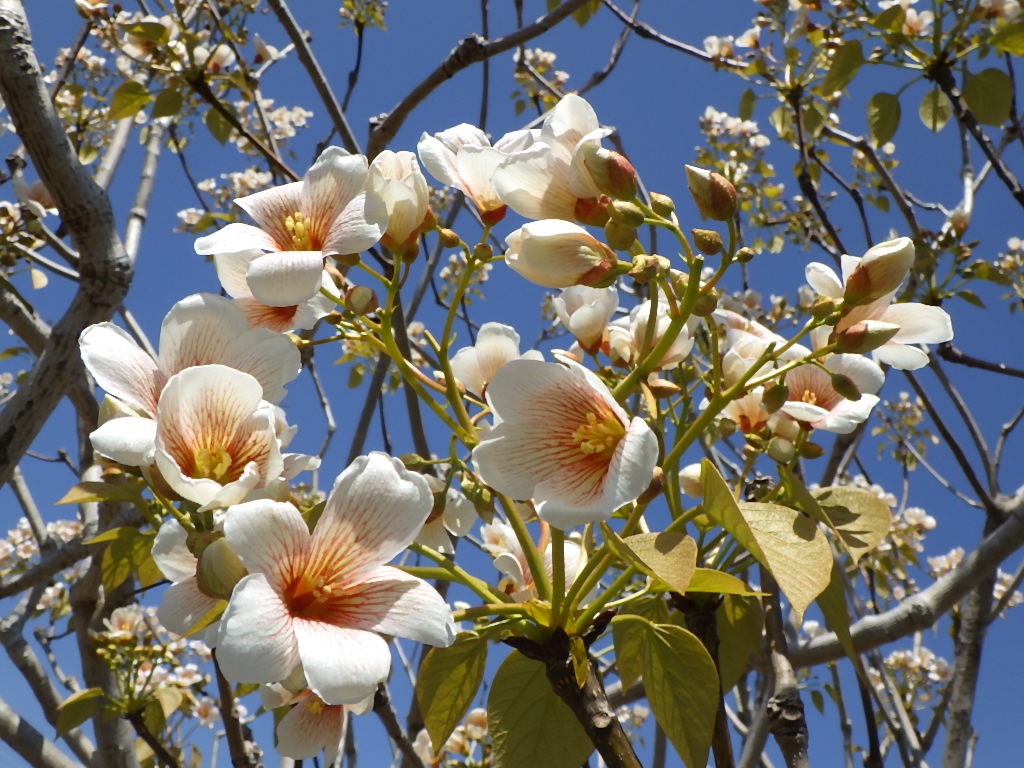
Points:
(868, 288)
(556, 254)
(200, 329)
(814, 401)
(496, 344)
(397, 178)
(562, 440)
(310, 725)
(321, 599)
(501, 543)
(328, 213)
(462, 157)
(585, 313)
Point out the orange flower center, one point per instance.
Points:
(307, 597)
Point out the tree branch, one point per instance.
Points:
(37, 751)
(85, 209)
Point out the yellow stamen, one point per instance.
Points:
(299, 230)
(212, 463)
(599, 435)
(809, 397)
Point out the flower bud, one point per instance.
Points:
(707, 241)
(689, 481)
(347, 259)
(429, 221)
(663, 387)
(844, 386)
(865, 336)
(647, 266)
(361, 300)
(483, 252)
(612, 174)
(781, 450)
(714, 195)
(663, 205)
(556, 254)
(655, 488)
(619, 236)
(449, 239)
(592, 211)
(811, 451)
(879, 272)
(706, 304)
(745, 255)
(219, 569)
(774, 397)
(626, 213)
(823, 308)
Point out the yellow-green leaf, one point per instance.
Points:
(1010, 39)
(128, 99)
(935, 110)
(447, 682)
(170, 698)
(861, 519)
(97, 490)
(127, 550)
(845, 63)
(629, 637)
(670, 556)
(710, 580)
(682, 687)
(832, 603)
(77, 708)
(168, 103)
(218, 125)
(747, 104)
(891, 19)
(530, 726)
(883, 117)
(989, 95)
(739, 623)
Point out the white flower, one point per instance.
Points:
(585, 312)
(496, 345)
(397, 178)
(814, 400)
(321, 599)
(328, 213)
(556, 254)
(561, 439)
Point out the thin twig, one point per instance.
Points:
(386, 712)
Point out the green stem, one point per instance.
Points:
(530, 551)
(557, 575)
(455, 573)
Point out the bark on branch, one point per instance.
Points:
(86, 211)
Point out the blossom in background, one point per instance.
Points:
(585, 313)
(456, 519)
(557, 254)
(867, 288)
(328, 213)
(496, 345)
(462, 157)
(321, 599)
(500, 542)
(548, 179)
(814, 401)
(628, 337)
(310, 725)
(561, 439)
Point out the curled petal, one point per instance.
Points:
(286, 278)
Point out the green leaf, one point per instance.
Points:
(77, 708)
(818, 701)
(128, 549)
(128, 99)
(447, 682)
(669, 557)
(168, 103)
(530, 726)
(13, 352)
(682, 687)
(217, 125)
(152, 31)
(935, 110)
(584, 13)
(989, 95)
(97, 490)
(971, 298)
(747, 104)
(710, 580)
(891, 19)
(739, 623)
(629, 637)
(832, 603)
(845, 63)
(789, 545)
(1010, 39)
(883, 117)
(861, 519)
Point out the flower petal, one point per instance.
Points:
(903, 357)
(535, 184)
(374, 511)
(824, 280)
(919, 323)
(121, 367)
(359, 225)
(331, 183)
(269, 209)
(127, 440)
(183, 605)
(309, 727)
(255, 641)
(286, 278)
(198, 330)
(235, 238)
(342, 666)
(171, 553)
(270, 537)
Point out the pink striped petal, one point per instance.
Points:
(121, 367)
(128, 440)
(358, 226)
(270, 537)
(171, 553)
(331, 183)
(309, 727)
(374, 511)
(198, 330)
(269, 209)
(286, 278)
(183, 605)
(255, 641)
(391, 602)
(342, 666)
